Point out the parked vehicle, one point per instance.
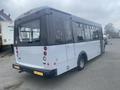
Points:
(6, 33)
(49, 42)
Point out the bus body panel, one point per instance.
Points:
(33, 57)
(61, 55)
(91, 48)
(57, 58)
(70, 50)
(66, 59)
(92, 51)
(30, 56)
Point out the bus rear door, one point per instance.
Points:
(69, 45)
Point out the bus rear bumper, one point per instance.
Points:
(38, 72)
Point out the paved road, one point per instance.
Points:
(102, 73)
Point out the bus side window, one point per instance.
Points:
(59, 36)
(59, 31)
(92, 33)
(95, 34)
(87, 32)
(78, 32)
(68, 32)
(81, 33)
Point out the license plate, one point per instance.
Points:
(38, 73)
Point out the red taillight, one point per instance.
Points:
(45, 53)
(45, 48)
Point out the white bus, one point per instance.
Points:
(6, 33)
(49, 42)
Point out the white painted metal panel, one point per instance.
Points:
(30, 56)
(7, 32)
(92, 48)
(58, 56)
(71, 62)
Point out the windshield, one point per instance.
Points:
(30, 32)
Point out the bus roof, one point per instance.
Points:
(81, 20)
(32, 11)
(47, 9)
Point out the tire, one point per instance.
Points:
(81, 63)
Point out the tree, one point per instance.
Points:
(110, 30)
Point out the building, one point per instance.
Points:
(4, 16)
(6, 29)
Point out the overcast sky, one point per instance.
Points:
(101, 11)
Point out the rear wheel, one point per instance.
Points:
(81, 63)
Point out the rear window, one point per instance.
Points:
(30, 32)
